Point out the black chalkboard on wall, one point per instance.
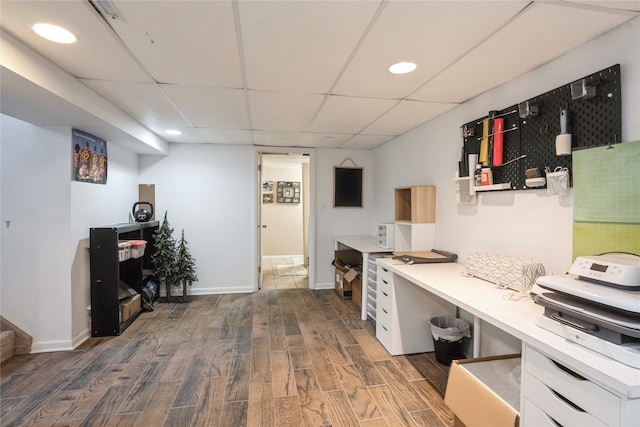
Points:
(347, 187)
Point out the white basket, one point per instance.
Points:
(137, 248)
(124, 250)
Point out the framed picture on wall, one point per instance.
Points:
(267, 198)
(288, 192)
(89, 158)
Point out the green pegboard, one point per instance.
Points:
(606, 199)
(606, 184)
(593, 238)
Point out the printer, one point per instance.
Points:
(596, 305)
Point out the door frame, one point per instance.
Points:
(311, 206)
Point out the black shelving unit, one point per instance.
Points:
(107, 271)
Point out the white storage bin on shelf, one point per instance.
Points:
(124, 250)
(137, 248)
(385, 236)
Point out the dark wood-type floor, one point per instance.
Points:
(292, 357)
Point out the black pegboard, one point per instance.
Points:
(596, 121)
(511, 143)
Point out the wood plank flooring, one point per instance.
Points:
(290, 357)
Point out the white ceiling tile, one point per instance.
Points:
(276, 139)
(226, 136)
(282, 111)
(323, 140)
(97, 54)
(520, 47)
(145, 102)
(431, 34)
(366, 142)
(182, 42)
(210, 107)
(300, 46)
(343, 114)
(188, 135)
(633, 5)
(406, 116)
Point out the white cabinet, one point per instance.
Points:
(553, 394)
(408, 331)
(412, 237)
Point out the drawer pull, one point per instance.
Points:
(385, 311)
(385, 270)
(554, 421)
(569, 371)
(567, 401)
(385, 282)
(383, 327)
(385, 294)
(587, 327)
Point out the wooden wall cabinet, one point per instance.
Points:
(107, 271)
(415, 204)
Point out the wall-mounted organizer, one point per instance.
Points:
(588, 109)
(288, 192)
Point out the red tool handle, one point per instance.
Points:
(498, 129)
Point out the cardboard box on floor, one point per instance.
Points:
(345, 278)
(128, 307)
(485, 391)
(356, 289)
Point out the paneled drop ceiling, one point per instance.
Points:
(300, 73)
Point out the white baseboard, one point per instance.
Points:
(50, 346)
(326, 285)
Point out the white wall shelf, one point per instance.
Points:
(494, 187)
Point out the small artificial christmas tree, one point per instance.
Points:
(185, 271)
(164, 258)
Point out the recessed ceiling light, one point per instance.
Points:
(402, 68)
(54, 33)
(173, 132)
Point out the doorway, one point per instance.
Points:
(284, 221)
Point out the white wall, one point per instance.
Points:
(45, 261)
(96, 206)
(35, 288)
(331, 222)
(210, 192)
(530, 223)
(283, 234)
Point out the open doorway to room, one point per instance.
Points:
(284, 221)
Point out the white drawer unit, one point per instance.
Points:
(555, 393)
(408, 333)
(384, 304)
(385, 235)
(372, 284)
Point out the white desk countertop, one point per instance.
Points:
(516, 317)
(364, 244)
